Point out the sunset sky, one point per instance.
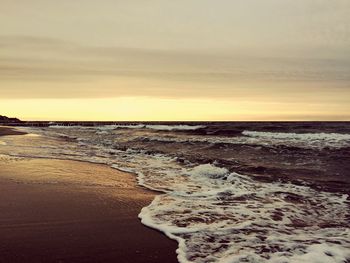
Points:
(175, 60)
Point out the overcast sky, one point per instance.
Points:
(248, 59)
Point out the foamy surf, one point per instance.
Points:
(138, 126)
(175, 127)
(317, 140)
(305, 141)
(231, 218)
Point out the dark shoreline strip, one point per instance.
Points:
(10, 131)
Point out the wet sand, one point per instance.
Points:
(9, 131)
(69, 211)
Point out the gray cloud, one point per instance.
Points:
(250, 49)
(41, 59)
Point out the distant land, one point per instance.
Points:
(4, 119)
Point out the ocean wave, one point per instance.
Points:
(208, 170)
(112, 127)
(299, 136)
(134, 126)
(230, 218)
(317, 140)
(162, 127)
(56, 126)
(175, 127)
(306, 141)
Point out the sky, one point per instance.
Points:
(175, 60)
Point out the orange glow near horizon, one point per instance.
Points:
(157, 109)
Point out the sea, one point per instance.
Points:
(229, 191)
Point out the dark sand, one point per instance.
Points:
(68, 211)
(9, 131)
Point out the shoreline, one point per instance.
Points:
(6, 130)
(55, 210)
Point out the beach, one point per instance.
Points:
(71, 211)
(230, 192)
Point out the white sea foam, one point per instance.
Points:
(57, 126)
(320, 140)
(134, 126)
(209, 171)
(306, 141)
(114, 127)
(240, 220)
(215, 215)
(174, 127)
(323, 253)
